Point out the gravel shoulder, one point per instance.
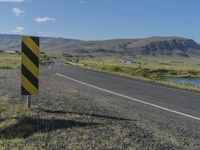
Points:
(69, 116)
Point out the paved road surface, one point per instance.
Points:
(186, 102)
(171, 111)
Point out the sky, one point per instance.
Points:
(101, 19)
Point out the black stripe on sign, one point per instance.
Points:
(30, 54)
(24, 91)
(29, 76)
(36, 40)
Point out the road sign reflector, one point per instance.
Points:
(30, 65)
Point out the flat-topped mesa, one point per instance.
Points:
(165, 46)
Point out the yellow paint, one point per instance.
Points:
(31, 45)
(28, 86)
(30, 66)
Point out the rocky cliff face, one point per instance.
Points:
(164, 45)
(175, 45)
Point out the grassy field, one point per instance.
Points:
(9, 61)
(156, 69)
(147, 68)
(13, 61)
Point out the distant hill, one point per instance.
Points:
(13, 42)
(144, 46)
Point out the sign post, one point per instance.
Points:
(30, 67)
(28, 101)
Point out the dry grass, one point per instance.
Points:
(9, 61)
(149, 68)
(8, 117)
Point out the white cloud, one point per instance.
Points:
(15, 1)
(18, 30)
(18, 11)
(44, 19)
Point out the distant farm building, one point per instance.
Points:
(10, 52)
(127, 61)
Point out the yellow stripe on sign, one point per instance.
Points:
(31, 45)
(30, 66)
(28, 86)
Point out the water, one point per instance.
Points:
(193, 81)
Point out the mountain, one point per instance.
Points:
(13, 42)
(144, 46)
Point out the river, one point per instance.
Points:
(193, 81)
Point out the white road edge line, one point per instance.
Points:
(130, 98)
(144, 83)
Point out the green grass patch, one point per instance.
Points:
(9, 61)
(3, 103)
(44, 59)
(150, 68)
(13, 61)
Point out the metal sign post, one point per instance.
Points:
(28, 101)
(30, 67)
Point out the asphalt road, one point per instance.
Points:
(171, 112)
(181, 102)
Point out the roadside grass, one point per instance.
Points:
(9, 61)
(17, 123)
(45, 59)
(8, 117)
(11, 114)
(54, 54)
(3, 103)
(13, 61)
(155, 69)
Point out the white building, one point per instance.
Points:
(10, 52)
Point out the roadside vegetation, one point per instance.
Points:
(9, 114)
(45, 59)
(13, 61)
(9, 61)
(156, 69)
(153, 68)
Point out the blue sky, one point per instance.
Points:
(101, 19)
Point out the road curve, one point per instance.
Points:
(186, 103)
(170, 113)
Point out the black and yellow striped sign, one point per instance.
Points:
(30, 65)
